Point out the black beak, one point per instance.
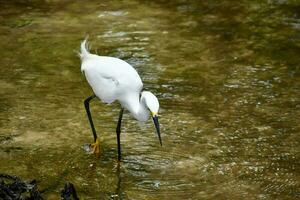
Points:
(155, 120)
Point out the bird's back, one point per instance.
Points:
(111, 78)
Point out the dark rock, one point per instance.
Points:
(13, 188)
(69, 192)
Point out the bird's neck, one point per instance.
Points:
(136, 107)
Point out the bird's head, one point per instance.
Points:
(152, 104)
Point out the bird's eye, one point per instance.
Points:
(154, 114)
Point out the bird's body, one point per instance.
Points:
(113, 79)
(109, 76)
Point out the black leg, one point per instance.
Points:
(118, 130)
(87, 108)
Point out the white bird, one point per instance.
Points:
(113, 79)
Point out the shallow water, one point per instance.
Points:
(226, 74)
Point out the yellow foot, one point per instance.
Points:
(96, 146)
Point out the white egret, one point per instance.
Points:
(114, 79)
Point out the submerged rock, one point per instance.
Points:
(13, 188)
(69, 192)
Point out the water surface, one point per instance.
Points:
(226, 74)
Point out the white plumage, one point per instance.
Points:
(114, 79)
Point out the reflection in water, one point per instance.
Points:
(226, 74)
(119, 194)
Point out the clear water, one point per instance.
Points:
(226, 74)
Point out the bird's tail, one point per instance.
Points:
(84, 49)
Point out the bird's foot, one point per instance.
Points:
(96, 146)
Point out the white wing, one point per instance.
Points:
(111, 78)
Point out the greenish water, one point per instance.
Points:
(226, 74)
